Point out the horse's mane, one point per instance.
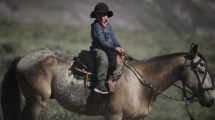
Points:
(129, 57)
(202, 57)
(157, 58)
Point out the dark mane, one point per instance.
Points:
(202, 57)
(129, 57)
(157, 58)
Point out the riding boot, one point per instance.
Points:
(101, 87)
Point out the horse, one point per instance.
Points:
(43, 74)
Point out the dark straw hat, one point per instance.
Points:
(101, 8)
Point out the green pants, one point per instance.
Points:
(101, 65)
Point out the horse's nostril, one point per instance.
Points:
(210, 103)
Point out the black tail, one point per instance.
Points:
(10, 94)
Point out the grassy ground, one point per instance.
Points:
(17, 39)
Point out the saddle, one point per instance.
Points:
(83, 68)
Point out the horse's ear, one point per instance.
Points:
(193, 51)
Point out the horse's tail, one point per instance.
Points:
(10, 94)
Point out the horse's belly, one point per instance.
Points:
(70, 92)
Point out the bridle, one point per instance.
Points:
(200, 89)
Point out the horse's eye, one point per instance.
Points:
(201, 70)
(202, 64)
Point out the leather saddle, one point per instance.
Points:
(83, 68)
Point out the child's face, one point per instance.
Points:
(101, 17)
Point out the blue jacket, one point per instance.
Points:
(103, 37)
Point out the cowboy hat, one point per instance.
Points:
(101, 8)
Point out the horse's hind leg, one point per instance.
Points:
(36, 92)
(32, 108)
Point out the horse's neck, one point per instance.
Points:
(162, 73)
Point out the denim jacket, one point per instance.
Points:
(103, 37)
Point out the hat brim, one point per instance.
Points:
(93, 13)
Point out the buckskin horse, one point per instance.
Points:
(43, 74)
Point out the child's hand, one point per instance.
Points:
(119, 49)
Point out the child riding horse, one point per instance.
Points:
(105, 45)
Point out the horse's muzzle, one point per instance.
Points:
(206, 101)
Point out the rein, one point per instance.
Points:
(185, 98)
(146, 83)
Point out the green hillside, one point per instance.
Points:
(180, 16)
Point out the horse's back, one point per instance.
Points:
(40, 57)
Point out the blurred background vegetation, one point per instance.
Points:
(145, 28)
